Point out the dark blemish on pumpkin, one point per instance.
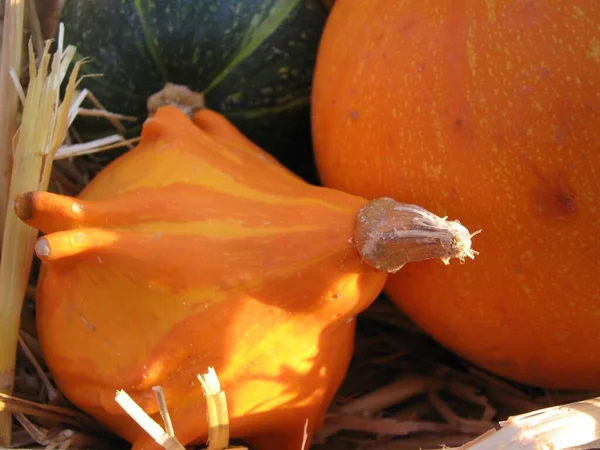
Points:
(454, 195)
(407, 27)
(463, 127)
(553, 198)
(528, 6)
(561, 133)
(354, 115)
(379, 37)
(421, 67)
(499, 141)
(567, 202)
(386, 60)
(518, 268)
(390, 143)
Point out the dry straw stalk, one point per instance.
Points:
(12, 49)
(43, 128)
(571, 426)
(216, 413)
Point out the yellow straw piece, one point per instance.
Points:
(43, 129)
(12, 53)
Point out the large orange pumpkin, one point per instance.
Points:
(489, 111)
(197, 249)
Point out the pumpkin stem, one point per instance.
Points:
(48, 212)
(178, 95)
(390, 234)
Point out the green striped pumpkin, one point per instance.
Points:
(253, 59)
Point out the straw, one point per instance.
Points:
(157, 433)
(12, 49)
(44, 126)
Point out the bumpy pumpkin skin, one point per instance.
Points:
(197, 249)
(487, 111)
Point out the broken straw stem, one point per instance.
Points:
(164, 411)
(216, 410)
(14, 13)
(163, 438)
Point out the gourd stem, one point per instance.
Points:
(178, 95)
(390, 234)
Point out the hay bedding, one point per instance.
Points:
(403, 391)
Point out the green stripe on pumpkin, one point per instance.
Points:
(259, 30)
(271, 110)
(149, 36)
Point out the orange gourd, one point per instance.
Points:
(489, 111)
(197, 249)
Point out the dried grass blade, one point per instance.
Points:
(50, 390)
(43, 128)
(106, 114)
(216, 409)
(38, 434)
(391, 394)
(113, 121)
(12, 52)
(164, 411)
(35, 26)
(95, 146)
(147, 423)
(11, 404)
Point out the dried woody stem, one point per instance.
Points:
(390, 234)
(176, 94)
(44, 125)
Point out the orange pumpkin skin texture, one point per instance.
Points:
(490, 112)
(197, 249)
